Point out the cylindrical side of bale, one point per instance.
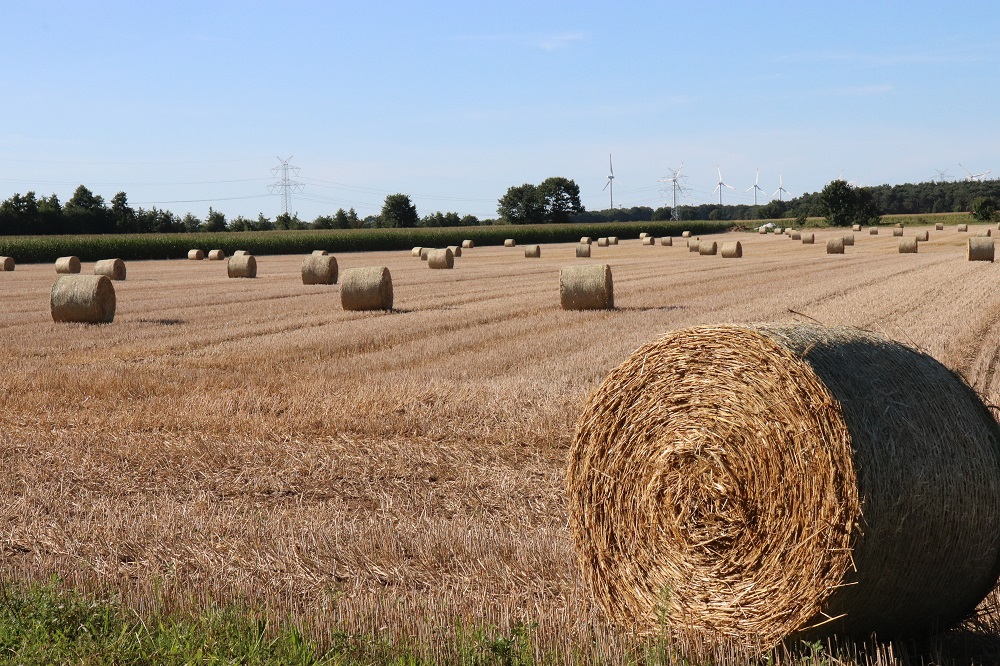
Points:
(443, 258)
(908, 245)
(217, 255)
(649, 240)
(939, 227)
(240, 253)
(586, 240)
(510, 242)
(887, 516)
(113, 268)
(68, 265)
(685, 234)
(667, 240)
(587, 287)
(602, 242)
(835, 246)
(242, 266)
(856, 227)
(196, 255)
(963, 227)
(693, 245)
(795, 235)
(731, 250)
(582, 251)
(898, 231)
(980, 249)
(456, 250)
(643, 235)
(923, 235)
(849, 239)
(708, 248)
(319, 253)
(415, 252)
(808, 239)
(612, 240)
(532, 251)
(88, 299)
(468, 244)
(873, 231)
(366, 288)
(424, 251)
(6, 263)
(319, 269)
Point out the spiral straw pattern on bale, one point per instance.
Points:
(443, 258)
(68, 265)
(196, 255)
(84, 299)
(456, 250)
(765, 482)
(908, 245)
(6, 263)
(835, 246)
(319, 269)
(242, 266)
(583, 251)
(532, 251)
(588, 287)
(113, 268)
(367, 288)
(979, 249)
(708, 248)
(731, 250)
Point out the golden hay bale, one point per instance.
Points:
(808, 239)
(587, 287)
(873, 231)
(856, 227)
(510, 242)
(319, 269)
(68, 265)
(443, 258)
(985, 233)
(939, 227)
(849, 239)
(899, 225)
(805, 481)
(366, 288)
(468, 244)
(6, 263)
(240, 253)
(649, 240)
(88, 299)
(602, 242)
(923, 235)
(113, 268)
(980, 248)
(612, 240)
(963, 227)
(762, 230)
(456, 250)
(582, 250)
(667, 240)
(795, 235)
(708, 248)
(731, 250)
(908, 246)
(318, 253)
(415, 252)
(898, 231)
(424, 251)
(685, 234)
(532, 251)
(835, 246)
(643, 235)
(780, 230)
(693, 244)
(196, 255)
(585, 240)
(219, 255)
(242, 266)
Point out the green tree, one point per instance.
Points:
(398, 211)
(353, 221)
(122, 215)
(843, 205)
(214, 221)
(288, 222)
(984, 208)
(191, 222)
(522, 204)
(561, 199)
(86, 213)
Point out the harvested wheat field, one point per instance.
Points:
(392, 474)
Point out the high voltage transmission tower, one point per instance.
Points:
(285, 183)
(674, 179)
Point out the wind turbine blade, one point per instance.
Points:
(717, 168)
(730, 187)
(610, 165)
(716, 188)
(751, 187)
(776, 192)
(757, 179)
(605, 186)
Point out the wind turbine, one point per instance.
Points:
(721, 185)
(975, 176)
(611, 182)
(674, 180)
(756, 188)
(781, 188)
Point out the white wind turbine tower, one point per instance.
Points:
(755, 187)
(781, 188)
(721, 185)
(975, 176)
(674, 180)
(611, 182)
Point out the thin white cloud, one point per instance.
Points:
(555, 42)
(546, 42)
(856, 91)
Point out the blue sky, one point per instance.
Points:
(184, 105)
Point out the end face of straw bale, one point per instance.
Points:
(456, 250)
(985, 233)
(583, 251)
(196, 255)
(835, 246)
(6, 264)
(366, 288)
(242, 266)
(708, 248)
(67, 265)
(319, 269)
(113, 268)
(979, 249)
(587, 287)
(667, 241)
(732, 250)
(510, 242)
(908, 245)
(808, 239)
(216, 255)
(532, 251)
(443, 258)
(86, 299)
(468, 244)
(762, 230)
(849, 239)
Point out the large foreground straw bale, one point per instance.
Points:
(731, 250)
(835, 246)
(708, 248)
(980, 249)
(456, 250)
(510, 242)
(443, 258)
(923, 236)
(939, 226)
(319, 269)
(908, 245)
(196, 255)
(806, 480)
(532, 251)
(242, 266)
(366, 288)
(808, 239)
(582, 250)
(113, 268)
(667, 240)
(6, 264)
(217, 255)
(68, 265)
(849, 239)
(587, 287)
(88, 299)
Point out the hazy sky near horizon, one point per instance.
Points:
(186, 105)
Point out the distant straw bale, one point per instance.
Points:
(856, 227)
(415, 252)
(939, 226)
(899, 225)
(731, 250)
(86, 299)
(532, 251)
(443, 258)
(602, 242)
(667, 240)
(612, 240)
(456, 250)
(979, 248)
(216, 255)
(319, 269)
(898, 231)
(643, 235)
(242, 266)
(808, 239)
(240, 253)
(321, 253)
(685, 234)
(113, 268)
(649, 240)
(468, 244)
(963, 227)
(586, 240)
(196, 255)
(68, 265)
(985, 233)
(908, 245)
(510, 242)
(795, 235)
(848, 239)
(923, 235)
(708, 248)
(873, 231)
(6, 264)
(762, 230)
(587, 287)
(582, 251)
(835, 246)
(366, 288)
(693, 245)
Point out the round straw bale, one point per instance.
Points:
(849, 239)
(415, 252)
(585, 240)
(685, 234)
(693, 244)
(587, 287)
(667, 240)
(731, 250)
(873, 231)
(762, 230)
(898, 231)
(612, 240)
(779, 230)
(908, 245)
(88, 299)
(456, 250)
(963, 227)
(835, 246)
(602, 242)
(795, 235)
(808, 239)
(219, 255)
(366, 288)
(68, 265)
(113, 268)
(708, 248)
(319, 269)
(806, 481)
(240, 253)
(985, 233)
(532, 251)
(318, 253)
(899, 225)
(582, 250)
(242, 266)
(923, 235)
(643, 235)
(856, 227)
(980, 248)
(510, 242)
(468, 244)
(196, 255)
(424, 251)
(939, 226)
(649, 240)
(6, 263)
(443, 258)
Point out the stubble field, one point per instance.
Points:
(396, 474)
